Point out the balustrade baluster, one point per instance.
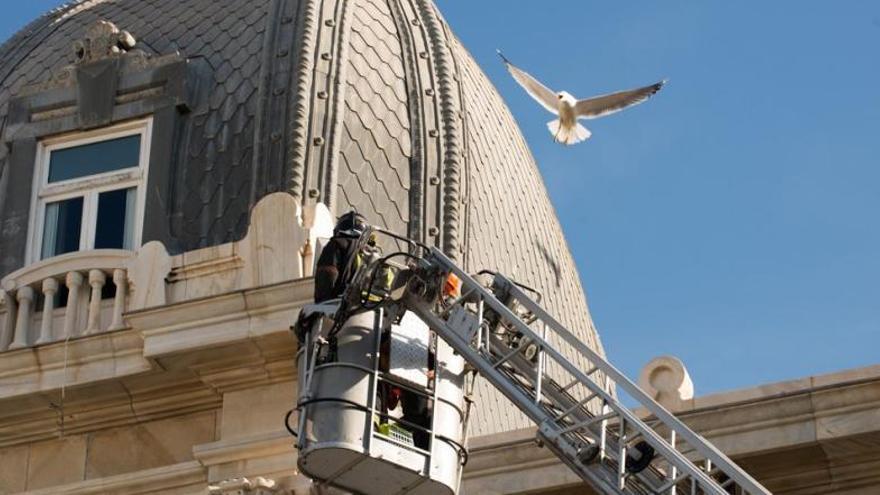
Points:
(50, 287)
(25, 296)
(120, 279)
(73, 281)
(97, 279)
(9, 320)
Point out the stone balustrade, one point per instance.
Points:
(82, 278)
(282, 244)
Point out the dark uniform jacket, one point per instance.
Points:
(335, 267)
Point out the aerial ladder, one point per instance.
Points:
(569, 391)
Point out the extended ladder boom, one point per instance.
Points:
(565, 388)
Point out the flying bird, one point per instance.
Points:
(566, 129)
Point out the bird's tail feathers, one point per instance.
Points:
(553, 125)
(568, 135)
(582, 133)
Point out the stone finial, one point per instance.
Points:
(102, 40)
(244, 486)
(667, 381)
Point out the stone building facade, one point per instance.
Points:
(168, 169)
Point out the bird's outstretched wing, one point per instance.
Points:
(599, 106)
(533, 87)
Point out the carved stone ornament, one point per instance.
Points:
(244, 486)
(667, 381)
(102, 40)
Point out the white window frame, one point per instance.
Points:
(90, 186)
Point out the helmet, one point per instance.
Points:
(351, 224)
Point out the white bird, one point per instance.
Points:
(566, 129)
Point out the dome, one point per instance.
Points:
(371, 105)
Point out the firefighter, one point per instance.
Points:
(336, 265)
(339, 259)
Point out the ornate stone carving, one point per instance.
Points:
(102, 40)
(667, 381)
(244, 486)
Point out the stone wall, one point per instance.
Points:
(105, 453)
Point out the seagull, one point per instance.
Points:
(566, 129)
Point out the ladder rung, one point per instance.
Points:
(576, 381)
(522, 345)
(669, 484)
(577, 405)
(591, 421)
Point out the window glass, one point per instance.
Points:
(114, 227)
(62, 227)
(73, 180)
(94, 158)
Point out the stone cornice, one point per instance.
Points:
(222, 319)
(177, 476)
(263, 454)
(264, 445)
(78, 361)
(820, 409)
(778, 390)
(830, 402)
(233, 340)
(102, 405)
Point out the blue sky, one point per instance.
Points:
(733, 219)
